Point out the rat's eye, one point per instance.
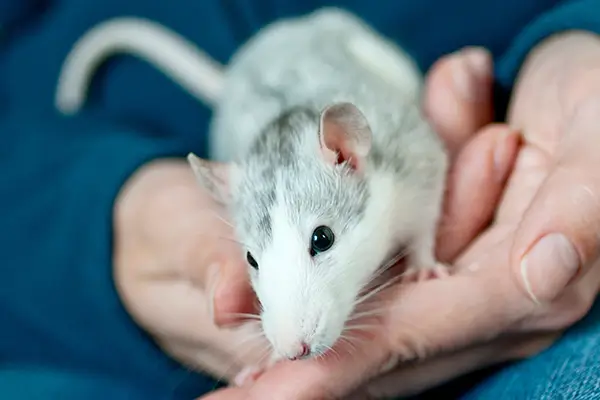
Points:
(322, 240)
(251, 261)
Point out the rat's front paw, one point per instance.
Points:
(419, 273)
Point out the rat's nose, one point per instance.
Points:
(303, 351)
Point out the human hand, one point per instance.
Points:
(507, 299)
(535, 271)
(173, 255)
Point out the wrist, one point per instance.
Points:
(559, 74)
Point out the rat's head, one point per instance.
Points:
(302, 207)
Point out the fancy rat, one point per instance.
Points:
(331, 170)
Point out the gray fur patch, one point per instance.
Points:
(286, 156)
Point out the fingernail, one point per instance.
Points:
(549, 266)
(470, 69)
(479, 62)
(462, 80)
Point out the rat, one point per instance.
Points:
(331, 169)
(330, 166)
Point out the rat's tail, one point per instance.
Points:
(176, 57)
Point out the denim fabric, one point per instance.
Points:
(569, 370)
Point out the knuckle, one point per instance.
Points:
(583, 200)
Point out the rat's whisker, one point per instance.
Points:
(241, 244)
(251, 317)
(390, 263)
(344, 340)
(334, 352)
(377, 290)
(353, 340)
(394, 260)
(260, 348)
(348, 334)
(256, 346)
(248, 344)
(251, 337)
(372, 282)
(208, 234)
(362, 327)
(370, 313)
(219, 217)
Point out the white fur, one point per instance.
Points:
(309, 300)
(393, 66)
(266, 60)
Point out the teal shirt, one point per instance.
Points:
(64, 333)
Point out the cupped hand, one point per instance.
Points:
(173, 255)
(535, 271)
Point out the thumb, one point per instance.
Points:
(223, 275)
(557, 240)
(225, 280)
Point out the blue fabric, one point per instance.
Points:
(570, 369)
(570, 15)
(63, 330)
(12, 11)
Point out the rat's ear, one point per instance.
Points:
(345, 135)
(216, 178)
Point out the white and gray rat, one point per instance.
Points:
(333, 170)
(332, 167)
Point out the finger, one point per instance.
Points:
(458, 95)
(222, 275)
(413, 379)
(227, 394)
(557, 241)
(214, 258)
(184, 323)
(475, 305)
(328, 378)
(207, 356)
(475, 185)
